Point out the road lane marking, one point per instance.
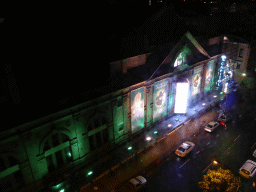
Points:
(253, 145)
(208, 143)
(207, 167)
(237, 138)
(197, 152)
(184, 163)
(217, 135)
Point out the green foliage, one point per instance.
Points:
(220, 180)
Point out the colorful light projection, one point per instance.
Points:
(209, 76)
(160, 99)
(196, 80)
(181, 98)
(182, 58)
(137, 109)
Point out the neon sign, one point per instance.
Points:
(221, 71)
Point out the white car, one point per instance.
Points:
(224, 118)
(184, 149)
(254, 153)
(211, 126)
(137, 183)
(248, 169)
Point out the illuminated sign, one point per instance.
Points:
(181, 98)
(160, 99)
(209, 76)
(137, 109)
(221, 71)
(196, 81)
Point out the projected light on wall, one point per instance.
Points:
(181, 98)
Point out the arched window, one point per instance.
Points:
(11, 178)
(98, 132)
(57, 151)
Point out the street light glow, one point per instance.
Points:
(90, 173)
(215, 162)
(243, 74)
(129, 148)
(148, 138)
(169, 125)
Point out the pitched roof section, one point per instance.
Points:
(193, 51)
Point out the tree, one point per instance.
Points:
(220, 180)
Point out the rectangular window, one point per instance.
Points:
(238, 65)
(241, 51)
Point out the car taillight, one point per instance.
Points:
(222, 123)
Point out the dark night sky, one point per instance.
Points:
(50, 58)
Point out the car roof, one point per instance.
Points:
(138, 180)
(248, 165)
(142, 179)
(212, 123)
(186, 144)
(134, 181)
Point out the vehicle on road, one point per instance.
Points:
(184, 149)
(137, 183)
(248, 169)
(254, 153)
(224, 118)
(211, 126)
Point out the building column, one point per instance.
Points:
(42, 165)
(26, 172)
(127, 113)
(74, 151)
(149, 106)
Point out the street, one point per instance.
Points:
(232, 146)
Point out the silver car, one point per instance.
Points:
(184, 149)
(211, 126)
(137, 183)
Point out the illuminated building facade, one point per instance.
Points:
(53, 146)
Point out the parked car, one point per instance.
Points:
(184, 149)
(211, 126)
(248, 169)
(224, 118)
(137, 183)
(254, 153)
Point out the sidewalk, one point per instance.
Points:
(123, 163)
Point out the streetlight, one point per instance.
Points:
(89, 173)
(148, 138)
(129, 148)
